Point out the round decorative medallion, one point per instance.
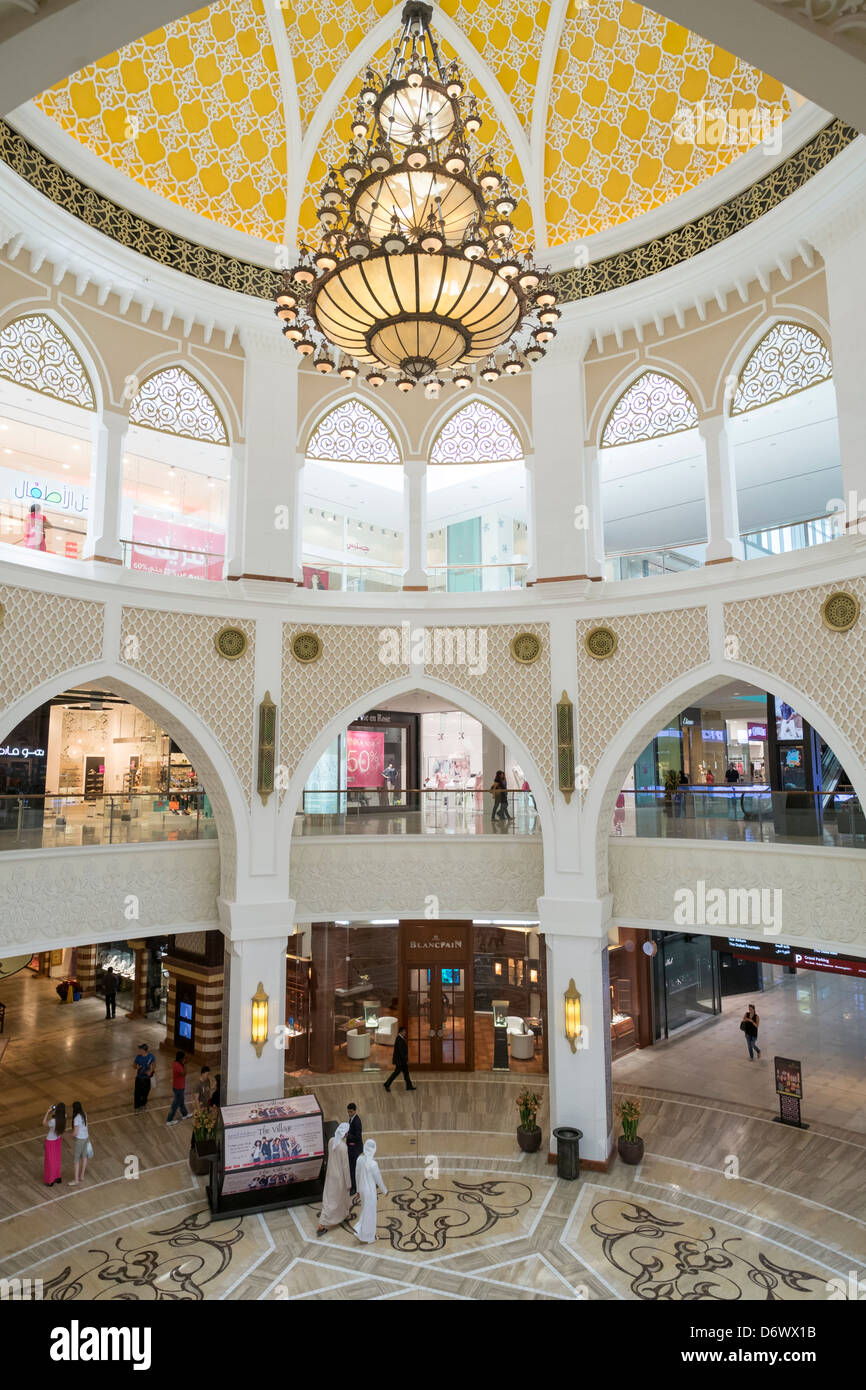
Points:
(230, 642)
(600, 642)
(306, 647)
(840, 611)
(526, 648)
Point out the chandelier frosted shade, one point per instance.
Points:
(413, 196)
(415, 115)
(401, 310)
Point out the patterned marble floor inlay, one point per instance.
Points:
(451, 1214)
(646, 1249)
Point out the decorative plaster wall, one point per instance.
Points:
(43, 635)
(784, 633)
(312, 695)
(521, 695)
(361, 876)
(823, 890)
(652, 650)
(49, 898)
(177, 651)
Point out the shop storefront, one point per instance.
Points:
(349, 988)
(120, 957)
(685, 981)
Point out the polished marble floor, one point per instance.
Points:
(818, 1018)
(725, 1205)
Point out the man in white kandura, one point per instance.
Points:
(368, 1179)
(336, 1198)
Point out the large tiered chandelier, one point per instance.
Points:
(417, 275)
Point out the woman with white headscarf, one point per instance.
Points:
(368, 1179)
(336, 1201)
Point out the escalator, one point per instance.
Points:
(831, 775)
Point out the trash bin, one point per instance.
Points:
(568, 1152)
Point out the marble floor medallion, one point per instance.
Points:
(646, 1249)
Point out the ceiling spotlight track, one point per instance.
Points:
(416, 273)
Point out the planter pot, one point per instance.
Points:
(628, 1150)
(529, 1140)
(200, 1155)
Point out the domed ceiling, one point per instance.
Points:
(235, 111)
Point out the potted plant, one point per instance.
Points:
(629, 1147)
(528, 1132)
(202, 1144)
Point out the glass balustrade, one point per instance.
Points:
(61, 822)
(377, 811)
(744, 813)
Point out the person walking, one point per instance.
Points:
(500, 797)
(732, 777)
(354, 1143)
(55, 1122)
(82, 1149)
(144, 1063)
(336, 1199)
(400, 1058)
(369, 1181)
(109, 989)
(205, 1088)
(178, 1086)
(750, 1025)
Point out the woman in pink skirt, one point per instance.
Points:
(55, 1121)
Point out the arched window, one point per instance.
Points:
(477, 434)
(477, 537)
(35, 354)
(653, 406)
(788, 359)
(173, 402)
(352, 433)
(353, 524)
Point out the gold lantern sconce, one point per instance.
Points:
(267, 747)
(259, 1031)
(572, 1015)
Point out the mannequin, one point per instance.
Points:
(336, 1201)
(368, 1179)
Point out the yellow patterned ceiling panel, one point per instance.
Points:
(642, 110)
(322, 35)
(193, 112)
(508, 35)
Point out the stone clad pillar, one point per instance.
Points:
(255, 935)
(415, 523)
(580, 1080)
(723, 524)
(103, 538)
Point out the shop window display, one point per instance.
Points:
(120, 957)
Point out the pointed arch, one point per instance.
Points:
(172, 401)
(652, 406)
(352, 432)
(788, 359)
(476, 433)
(36, 353)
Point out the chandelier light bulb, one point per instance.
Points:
(404, 384)
(545, 299)
(375, 379)
(462, 379)
(305, 346)
(534, 352)
(549, 316)
(527, 280)
(544, 335)
(348, 371)
(293, 332)
(490, 371)
(514, 366)
(284, 313)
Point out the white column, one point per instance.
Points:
(256, 936)
(720, 482)
(415, 523)
(237, 500)
(106, 488)
(580, 1082)
(566, 510)
(267, 543)
(841, 245)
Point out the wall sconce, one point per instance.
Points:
(259, 1034)
(533, 976)
(497, 967)
(572, 1015)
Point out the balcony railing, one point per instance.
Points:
(361, 578)
(776, 540)
(745, 813)
(425, 811)
(474, 579)
(61, 822)
(166, 559)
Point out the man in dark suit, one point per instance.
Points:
(109, 987)
(400, 1058)
(354, 1142)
